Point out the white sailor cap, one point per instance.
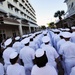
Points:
(56, 30)
(17, 38)
(13, 55)
(8, 42)
(45, 39)
(39, 53)
(25, 41)
(10, 49)
(23, 36)
(73, 27)
(67, 29)
(66, 34)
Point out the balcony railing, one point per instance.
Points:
(71, 11)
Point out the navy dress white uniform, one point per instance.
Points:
(59, 43)
(51, 55)
(36, 41)
(1, 69)
(44, 69)
(56, 39)
(6, 55)
(45, 39)
(72, 39)
(15, 69)
(72, 71)
(27, 55)
(50, 52)
(67, 50)
(32, 44)
(18, 45)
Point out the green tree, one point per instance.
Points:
(51, 25)
(59, 14)
(43, 27)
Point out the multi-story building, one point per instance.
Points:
(70, 14)
(17, 17)
(69, 19)
(71, 7)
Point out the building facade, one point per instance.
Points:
(69, 19)
(71, 7)
(70, 14)
(17, 17)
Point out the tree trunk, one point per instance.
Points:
(60, 21)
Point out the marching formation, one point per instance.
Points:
(46, 52)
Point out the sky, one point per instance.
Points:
(45, 10)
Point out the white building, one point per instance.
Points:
(71, 7)
(17, 17)
(70, 14)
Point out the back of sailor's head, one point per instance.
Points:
(8, 43)
(14, 57)
(40, 58)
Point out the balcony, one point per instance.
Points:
(71, 11)
(15, 1)
(11, 20)
(23, 1)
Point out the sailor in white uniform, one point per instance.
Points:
(72, 39)
(56, 38)
(27, 56)
(32, 44)
(15, 68)
(1, 69)
(60, 42)
(72, 71)
(41, 67)
(46, 41)
(7, 52)
(18, 45)
(67, 52)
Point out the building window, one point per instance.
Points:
(22, 13)
(25, 15)
(23, 1)
(27, 1)
(10, 6)
(72, 4)
(23, 8)
(21, 5)
(15, 1)
(16, 10)
(2, 34)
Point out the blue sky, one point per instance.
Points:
(45, 9)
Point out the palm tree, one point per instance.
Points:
(59, 14)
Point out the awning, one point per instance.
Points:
(12, 15)
(3, 11)
(33, 25)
